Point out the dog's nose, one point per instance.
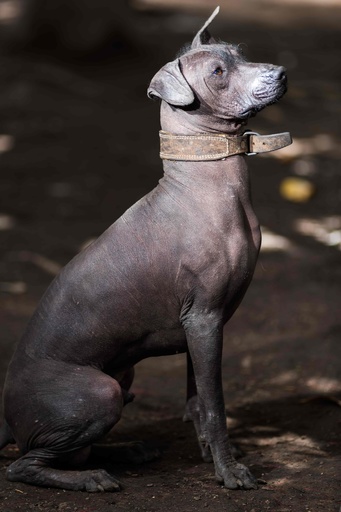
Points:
(279, 73)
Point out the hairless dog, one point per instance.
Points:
(163, 279)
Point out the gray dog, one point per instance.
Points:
(163, 279)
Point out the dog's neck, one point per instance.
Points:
(207, 183)
(205, 172)
(186, 122)
(182, 122)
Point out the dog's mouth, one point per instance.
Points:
(250, 112)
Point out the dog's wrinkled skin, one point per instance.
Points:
(163, 279)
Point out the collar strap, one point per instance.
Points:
(217, 146)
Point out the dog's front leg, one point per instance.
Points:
(192, 411)
(204, 334)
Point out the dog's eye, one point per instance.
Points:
(218, 71)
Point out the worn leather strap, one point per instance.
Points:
(211, 146)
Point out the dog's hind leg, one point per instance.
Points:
(36, 468)
(70, 409)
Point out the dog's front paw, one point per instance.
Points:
(236, 476)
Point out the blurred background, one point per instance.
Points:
(79, 144)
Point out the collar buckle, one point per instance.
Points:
(248, 135)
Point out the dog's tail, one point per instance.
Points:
(6, 436)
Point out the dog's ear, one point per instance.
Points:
(203, 36)
(169, 84)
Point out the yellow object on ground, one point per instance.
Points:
(298, 190)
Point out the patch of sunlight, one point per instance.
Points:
(15, 287)
(285, 378)
(324, 384)
(6, 222)
(278, 482)
(273, 242)
(6, 142)
(10, 10)
(246, 362)
(141, 4)
(295, 442)
(322, 143)
(326, 230)
(324, 3)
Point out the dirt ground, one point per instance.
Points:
(68, 171)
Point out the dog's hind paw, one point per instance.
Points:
(100, 481)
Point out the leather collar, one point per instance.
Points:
(218, 146)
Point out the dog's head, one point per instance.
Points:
(213, 79)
